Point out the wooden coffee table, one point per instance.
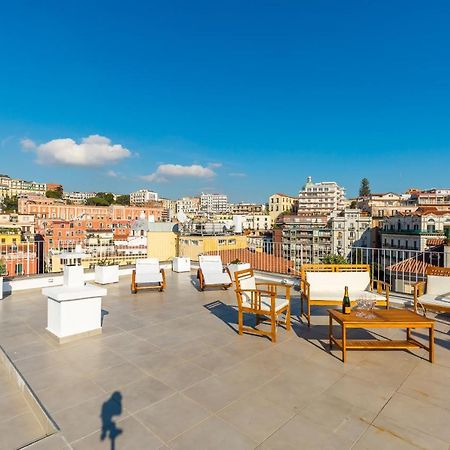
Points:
(385, 318)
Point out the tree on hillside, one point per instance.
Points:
(364, 189)
(57, 193)
(123, 200)
(107, 196)
(97, 201)
(10, 204)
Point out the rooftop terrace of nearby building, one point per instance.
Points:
(171, 372)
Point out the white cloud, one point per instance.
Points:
(93, 150)
(112, 174)
(165, 171)
(27, 144)
(215, 165)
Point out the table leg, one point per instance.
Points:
(408, 334)
(431, 343)
(344, 343)
(330, 328)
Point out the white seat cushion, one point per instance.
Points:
(338, 295)
(280, 303)
(148, 271)
(216, 277)
(210, 263)
(433, 299)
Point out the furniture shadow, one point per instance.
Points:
(104, 313)
(229, 315)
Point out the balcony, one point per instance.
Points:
(187, 380)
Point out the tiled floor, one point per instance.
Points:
(169, 371)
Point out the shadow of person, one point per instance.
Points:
(112, 407)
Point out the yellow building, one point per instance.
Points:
(9, 236)
(279, 203)
(192, 246)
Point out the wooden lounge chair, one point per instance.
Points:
(434, 293)
(324, 284)
(212, 272)
(147, 275)
(264, 303)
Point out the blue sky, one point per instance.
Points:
(246, 98)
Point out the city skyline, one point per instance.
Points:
(244, 100)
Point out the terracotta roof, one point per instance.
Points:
(410, 265)
(258, 260)
(436, 242)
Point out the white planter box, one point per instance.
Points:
(181, 264)
(107, 274)
(73, 276)
(236, 267)
(74, 312)
(1, 288)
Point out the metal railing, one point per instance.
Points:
(401, 268)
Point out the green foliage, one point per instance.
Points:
(364, 189)
(10, 204)
(353, 204)
(106, 262)
(97, 201)
(2, 267)
(54, 194)
(334, 259)
(236, 261)
(123, 200)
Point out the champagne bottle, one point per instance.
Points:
(346, 305)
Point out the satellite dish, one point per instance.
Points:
(181, 217)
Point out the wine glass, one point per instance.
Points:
(371, 302)
(361, 305)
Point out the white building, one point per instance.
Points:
(214, 203)
(78, 198)
(419, 230)
(12, 187)
(258, 222)
(188, 205)
(321, 198)
(143, 196)
(349, 228)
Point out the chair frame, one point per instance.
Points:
(135, 286)
(262, 314)
(305, 286)
(203, 286)
(420, 287)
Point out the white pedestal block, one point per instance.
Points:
(181, 264)
(107, 274)
(237, 267)
(73, 276)
(74, 312)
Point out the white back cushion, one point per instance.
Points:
(247, 283)
(210, 263)
(438, 285)
(147, 265)
(336, 281)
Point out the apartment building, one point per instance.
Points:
(214, 203)
(14, 187)
(430, 197)
(188, 205)
(349, 228)
(321, 198)
(420, 230)
(46, 209)
(247, 208)
(24, 222)
(302, 238)
(78, 198)
(169, 209)
(281, 203)
(257, 222)
(143, 197)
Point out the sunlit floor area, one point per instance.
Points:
(171, 371)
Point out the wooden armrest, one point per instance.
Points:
(381, 286)
(419, 288)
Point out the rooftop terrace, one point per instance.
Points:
(187, 380)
